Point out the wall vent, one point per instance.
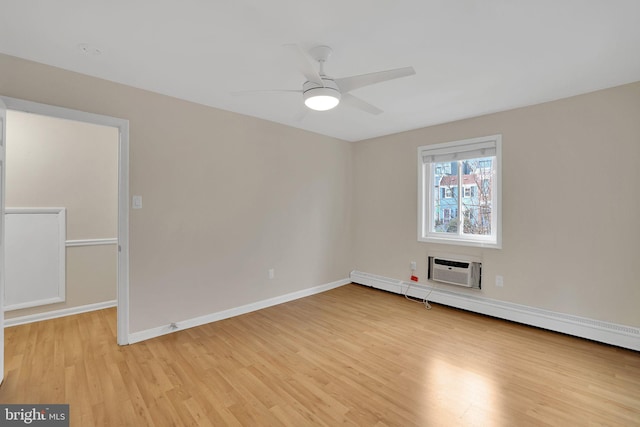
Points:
(455, 271)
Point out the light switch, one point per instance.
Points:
(137, 202)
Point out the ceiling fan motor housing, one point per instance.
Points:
(328, 84)
(319, 97)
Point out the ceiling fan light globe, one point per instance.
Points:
(321, 99)
(321, 102)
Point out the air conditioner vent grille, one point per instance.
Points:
(451, 263)
(455, 272)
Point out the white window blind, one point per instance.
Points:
(473, 149)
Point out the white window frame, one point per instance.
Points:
(428, 155)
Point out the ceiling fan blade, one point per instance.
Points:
(265, 91)
(358, 103)
(301, 115)
(305, 64)
(347, 84)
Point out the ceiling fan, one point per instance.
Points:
(321, 92)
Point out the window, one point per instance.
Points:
(484, 164)
(443, 169)
(471, 169)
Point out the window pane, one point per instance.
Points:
(479, 174)
(459, 198)
(445, 203)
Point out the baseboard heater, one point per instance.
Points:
(455, 271)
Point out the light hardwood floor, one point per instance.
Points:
(351, 356)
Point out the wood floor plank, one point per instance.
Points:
(349, 356)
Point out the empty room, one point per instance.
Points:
(367, 213)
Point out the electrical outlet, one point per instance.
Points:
(413, 266)
(272, 273)
(136, 202)
(499, 281)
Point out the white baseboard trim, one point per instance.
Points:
(33, 303)
(21, 320)
(225, 314)
(597, 330)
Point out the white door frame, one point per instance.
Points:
(3, 127)
(123, 192)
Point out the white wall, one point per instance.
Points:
(225, 197)
(62, 163)
(571, 170)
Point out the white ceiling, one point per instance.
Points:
(471, 57)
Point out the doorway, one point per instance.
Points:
(121, 128)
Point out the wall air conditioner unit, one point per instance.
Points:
(455, 271)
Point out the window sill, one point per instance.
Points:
(449, 240)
